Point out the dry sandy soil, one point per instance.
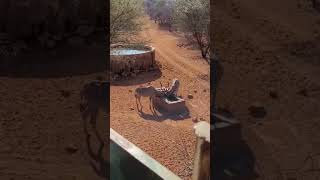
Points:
(272, 46)
(170, 140)
(41, 130)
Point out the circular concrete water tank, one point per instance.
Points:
(131, 58)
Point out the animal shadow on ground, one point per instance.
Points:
(95, 98)
(161, 114)
(61, 62)
(140, 78)
(233, 158)
(101, 169)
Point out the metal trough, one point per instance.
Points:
(164, 103)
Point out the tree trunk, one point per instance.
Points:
(204, 54)
(203, 49)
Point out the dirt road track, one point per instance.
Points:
(168, 140)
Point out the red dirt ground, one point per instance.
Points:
(40, 118)
(272, 45)
(171, 142)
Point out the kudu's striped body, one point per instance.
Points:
(151, 92)
(148, 91)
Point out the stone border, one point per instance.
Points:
(132, 63)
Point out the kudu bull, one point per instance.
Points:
(151, 92)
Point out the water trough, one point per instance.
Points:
(172, 104)
(125, 58)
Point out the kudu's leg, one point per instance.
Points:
(150, 103)
(154, 110)
(83, 101)
(93, 121)
(85, 115)
(84, 109)
(152, 107)
(138, 101)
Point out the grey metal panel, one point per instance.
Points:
(142, 157)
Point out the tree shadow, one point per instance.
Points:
(161, 114)
(233, 158)
(60, 62)
(140, 78)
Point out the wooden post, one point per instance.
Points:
(201, 168)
